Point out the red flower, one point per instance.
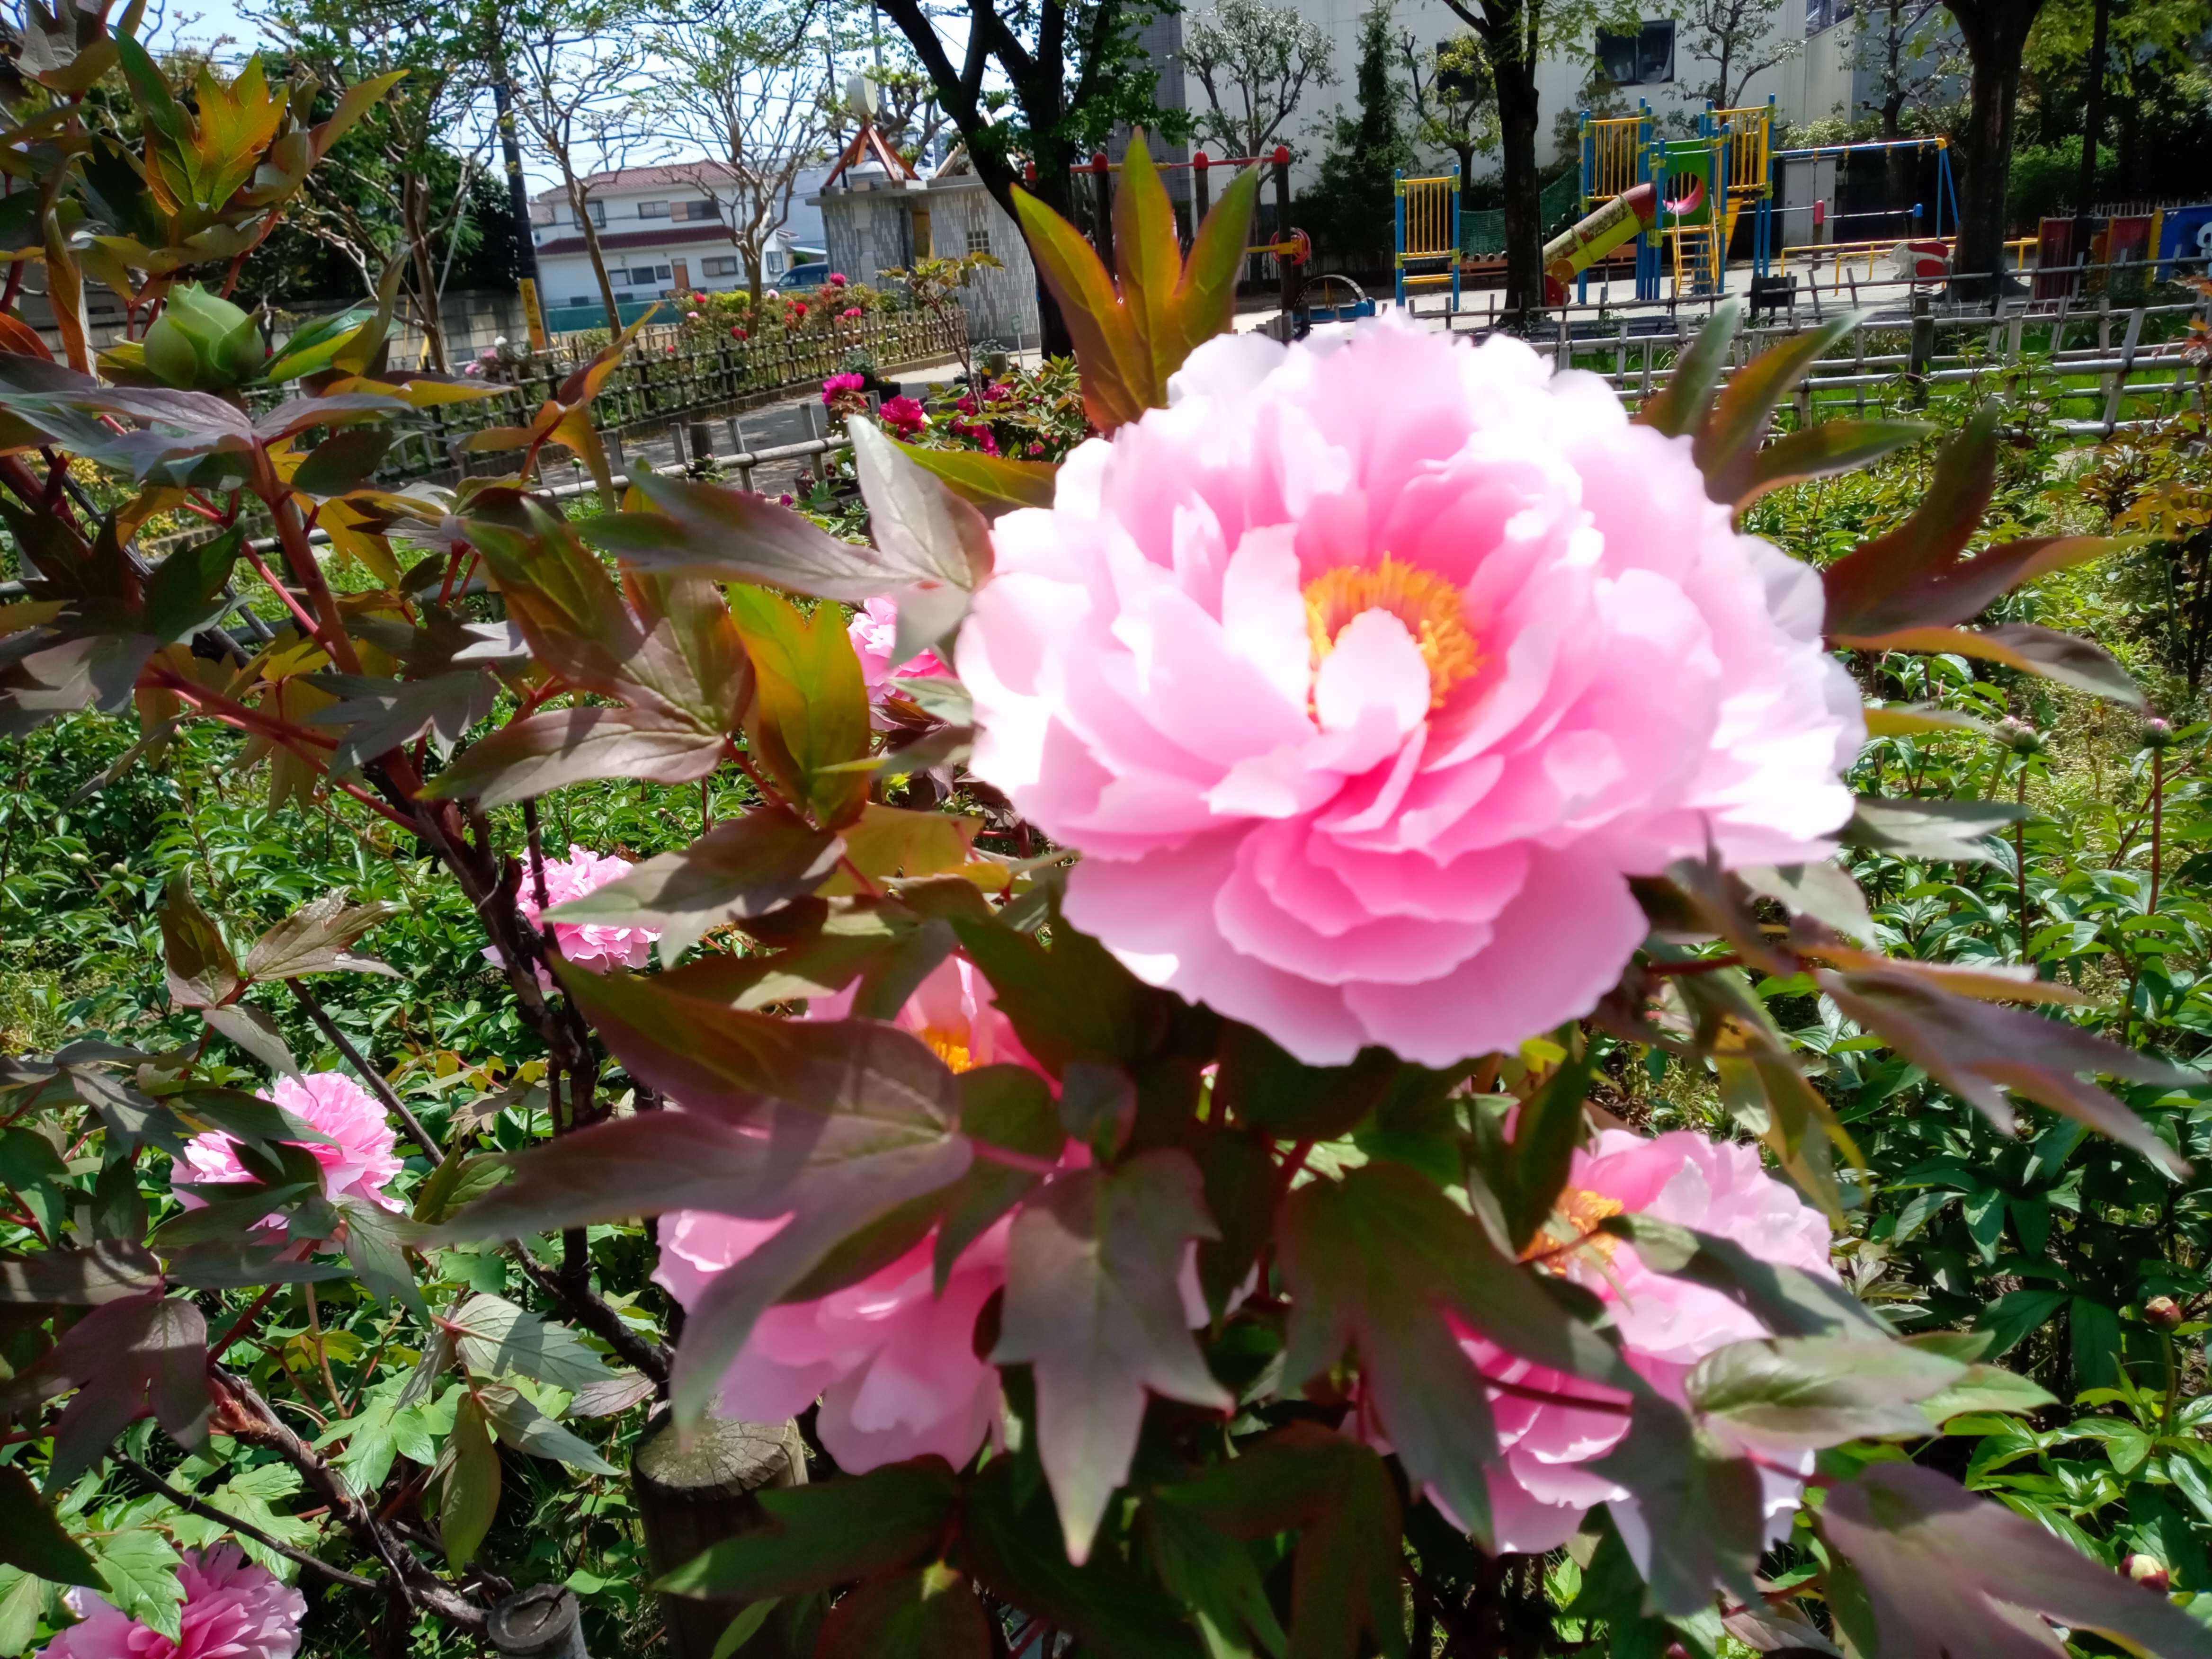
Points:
(836, 279)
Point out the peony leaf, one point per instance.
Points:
(742, 868)
(1092, 1306)
(104, 1270)
(2077, 662)
(1821, 452)
(1915, 719)
(1824, 892)
(993, 484)
(921, 525)
(521, 1424)
(856, 1525)
(1953, 830)
(123, 1358)
(1215, 1577)
(497, 1339)
(1697, 1503)
(811, 714)
(247, 1119)
(139, 1568)
(202, 972)
(1260, 1086)
(1376, 1260)
(1808, 1392)
(1206, 298)
(1786, 1300)
(343, 461)
(1681, 408)
(929, 1614)
(375, 1242)
(255, 1030)
(1727, 446)
(1106, 1607)
(557, 747)
(1117, 386)
(473, 1481)
(1977, 1051)
(31, 1538)
(1339, 1497)
(1945, 1571)
(313, 939)
(1526, 1174)
(1071, 999)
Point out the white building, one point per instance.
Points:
(661, 230)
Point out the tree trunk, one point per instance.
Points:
(1524, 228)
(1994, 32)
(426, 277)
(580, 206)
(2092, 126)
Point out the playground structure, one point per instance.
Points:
(1703, 184)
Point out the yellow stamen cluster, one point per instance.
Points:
(1573, 1229)
(1427, 603)
(950, 1047)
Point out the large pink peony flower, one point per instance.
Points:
(360, 1166)
(233, 1610)
(893, 1363)
(1538, 1496)
(587, 945)
(874, 631)
(1365, 673)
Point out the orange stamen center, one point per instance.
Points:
(1429, 605)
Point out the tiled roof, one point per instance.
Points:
(675, 172)
(615, 241)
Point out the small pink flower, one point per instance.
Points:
(360, 1165)
(1035, 447)
(837, 383)
(587, 945)
(784, 500)
(233, 1609)
(472, 368)
(1543, 1488)
(849, 312)
(965, 402)
(691, 316)
(903, 416)
(1366, 674)
(997, 392)
(872, 632)
(836, 279)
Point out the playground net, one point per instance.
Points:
(1484, 232)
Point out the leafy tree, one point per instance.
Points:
(1354, 196)
(1740, 39)
(1455, 107)
(1076, 72)
(747, 83)
(1254, 61)
(1996, 33)
(1904, 46)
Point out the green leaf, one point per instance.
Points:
(930, 1614)
(1259, 1084)
(140, 1571)
(811, 711)
(1681, 408)
(247, 1119)
(1091, 1305)
(742, 868)
(30, 1537)
(375, 1242)
(498, 1338)
(1378, 1259)
(472, 1495)
(254, 1030)
(1339, 1496)
(202, 972)
(994, 484)
(1072, 1001)
(557, 747)
(185, 593)
(921, 525)
(124, 1358)
(1786, 1300)
(1015, 1553)
(343, 461)
(1821, 452)
(23, 1598)
(1526, 1174)
(1951, 830)
(316, 940)
(1811, 1391)
(744, 1626)
(1727, 446)
(892, 1519)
(521, 1424)
(1940, 1568)
(458, 1181)
(1700, 1503)
(1213, 1576)
(107, 1270)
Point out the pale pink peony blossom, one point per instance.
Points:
(233, 1609)
(360, 1164)
(892, 1361)
(1366, 674)
(874, 631)
(1540, 1493)
(592, 945)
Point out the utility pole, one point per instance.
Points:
(518, 198)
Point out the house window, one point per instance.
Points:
(579, 298)
(720, 265)
(1643, 58)
(597, 210)
(652, 210)
(772, 262)
(660, 273)
(693, 211)
(622, 298)
(979, 241)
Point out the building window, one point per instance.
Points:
(579, 298)
(772, 262)
(693, 211)
(979, 241)
(1642, 59)
(597, 210)
(622, 298)
(652, 210)
(720, 265)
(662, 273)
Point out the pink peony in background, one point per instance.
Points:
(233, 1610)
(1366, 674)
(1539, 1495)
(586, 944)
(893, 1363)
(873, 631)
(360, 1166)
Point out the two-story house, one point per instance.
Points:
(661, 231)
